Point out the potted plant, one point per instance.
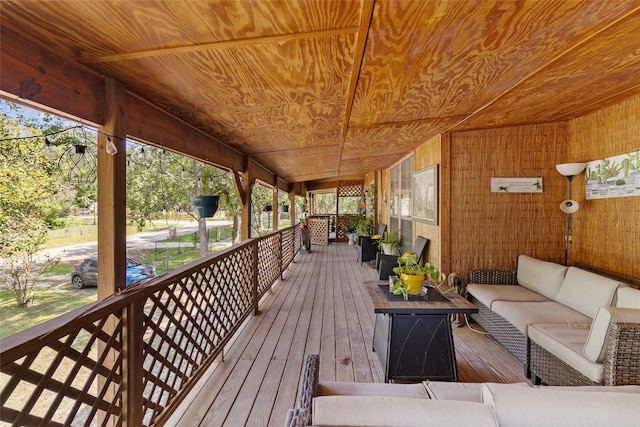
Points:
(410, 276)
(284, 205)
(365, 225)
(392, 244)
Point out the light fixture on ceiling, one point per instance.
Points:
(569, 206)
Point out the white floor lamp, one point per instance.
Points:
(569, 206)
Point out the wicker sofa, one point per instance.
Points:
(566, 325)
(458, 404)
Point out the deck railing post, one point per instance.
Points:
(281, 254)
(132, 364)
(256, 254)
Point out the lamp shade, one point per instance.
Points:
(570, 169)
(569, 206)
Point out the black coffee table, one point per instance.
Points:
(413, 339)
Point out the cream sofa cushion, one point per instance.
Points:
(344, 388)
(550, 408)
(446, 390)
(586, 292)
(487, 294)
(543, 277)
(398, 411)
(628, 297)
(595, 349)
(566, 342)
(523, 314)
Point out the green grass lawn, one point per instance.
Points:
(48, 302)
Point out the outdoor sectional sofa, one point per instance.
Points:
(566, 325)
(459, 404)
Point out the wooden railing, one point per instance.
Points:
(131, 358)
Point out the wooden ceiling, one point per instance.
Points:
(319, 90)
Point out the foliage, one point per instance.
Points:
(26, 190)
(393, 238)
(408, 264)
(365, 225)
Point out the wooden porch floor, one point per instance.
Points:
(319, 308)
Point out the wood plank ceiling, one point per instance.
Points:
(320, 90)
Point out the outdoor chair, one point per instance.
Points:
(368, 246)
(386, 263)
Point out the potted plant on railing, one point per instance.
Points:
(392, 244)
(410, 276)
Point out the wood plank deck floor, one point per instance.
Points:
(320, 307)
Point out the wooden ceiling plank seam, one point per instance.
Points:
(218, 45)
(363, 34)
(547, 65)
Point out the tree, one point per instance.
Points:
(25, 193)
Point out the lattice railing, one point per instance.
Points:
(133, 357)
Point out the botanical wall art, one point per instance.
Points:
(425, 195)
(516, 185)
(617, 176)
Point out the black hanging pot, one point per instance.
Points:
(268, 208)
(205, 206)
(285, 208)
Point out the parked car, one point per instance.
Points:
(86, 273)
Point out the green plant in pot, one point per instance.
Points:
(391, 244)
(411, 276)
(365, 225)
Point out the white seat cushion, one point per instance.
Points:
(344, 388)
(446, 390)
(561, 408)
(586, 292)
(487, 294)
(543, 277)
(522, 314)
(566, 342)
(595, 349)
(399, 411)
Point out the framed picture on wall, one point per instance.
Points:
(424, 190)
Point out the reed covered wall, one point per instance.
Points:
(606, 232)
(490, 230)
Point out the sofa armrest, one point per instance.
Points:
(622, 365)
(309, 383)
(493, 277)
(297, 418)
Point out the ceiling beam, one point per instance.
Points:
(365, 21)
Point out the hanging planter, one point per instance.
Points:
(268, 208)
(284, 208)
(205, 206)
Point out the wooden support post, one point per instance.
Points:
(244, 186)
(112, 219)
(112, 198)
(276, 208)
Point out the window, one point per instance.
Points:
(400, 199)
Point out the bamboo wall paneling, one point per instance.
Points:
(490, 230)
(605, 231)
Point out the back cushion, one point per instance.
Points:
(540, 276)
(586, 292)
(628, 297)
(561, 408)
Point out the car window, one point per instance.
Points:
(93, 264)
(132, 262)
